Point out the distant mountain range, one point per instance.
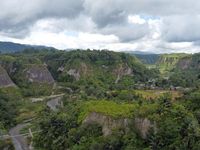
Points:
(145, 57)
(140, 52)
(10, 47)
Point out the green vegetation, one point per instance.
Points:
(101, 67)
(99, 70)
(186, 74)
(109, 108)
(115, 85)
(167, 62)
(28, 110)
(10, 98)
(6, 144)
(153, 94)
(171, 119)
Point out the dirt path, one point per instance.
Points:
(34, 100)
(19, 141)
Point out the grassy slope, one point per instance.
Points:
(154, 94)
(109, 108)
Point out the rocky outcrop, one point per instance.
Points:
(184, 63)
(108, 123)
(61, 69)
(143, 125)
(39, 74)
(167, 62)
(55, 103)
(81, 71)
(121, 71)
(75, 73)
(5, 80)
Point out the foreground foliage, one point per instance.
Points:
(174, 124)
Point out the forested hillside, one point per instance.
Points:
(167, 62)
(187, 72)
(98, 100)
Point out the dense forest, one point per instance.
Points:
(102, 100)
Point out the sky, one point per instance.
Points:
(159, 26)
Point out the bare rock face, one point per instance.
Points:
(185, 63)
(143, 125)
(5, 80)
(123, 70)
(61, 69)
(75, 73)
(55, 103)
(78, 72)
(108, 124)
(39, 74)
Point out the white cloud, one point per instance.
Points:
(159, 26)
(45, 33)
(136, 19)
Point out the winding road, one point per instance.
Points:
(19, 141)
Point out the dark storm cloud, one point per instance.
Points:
(17, 16)
(62, 8)
(105, 8)
(179, 25)
(10, 28)
(115, 17)
(104, 13)
(127, 33)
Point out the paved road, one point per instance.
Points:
(19, 142)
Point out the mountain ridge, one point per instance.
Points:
(11, 47)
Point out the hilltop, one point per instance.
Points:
(101, 70)
(10, 47)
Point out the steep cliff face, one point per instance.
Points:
(74, 73)
(167, 62)
(101, 68)
(108, 123)
(184, 63)
(87, 70)
(5, 80)
(143, 125)
(121, 71)
(190, 62)
(78, 71)
(97, 66)
(186, 72)
(34, 79)
(38, 74)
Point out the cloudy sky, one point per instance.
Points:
(160, 26)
